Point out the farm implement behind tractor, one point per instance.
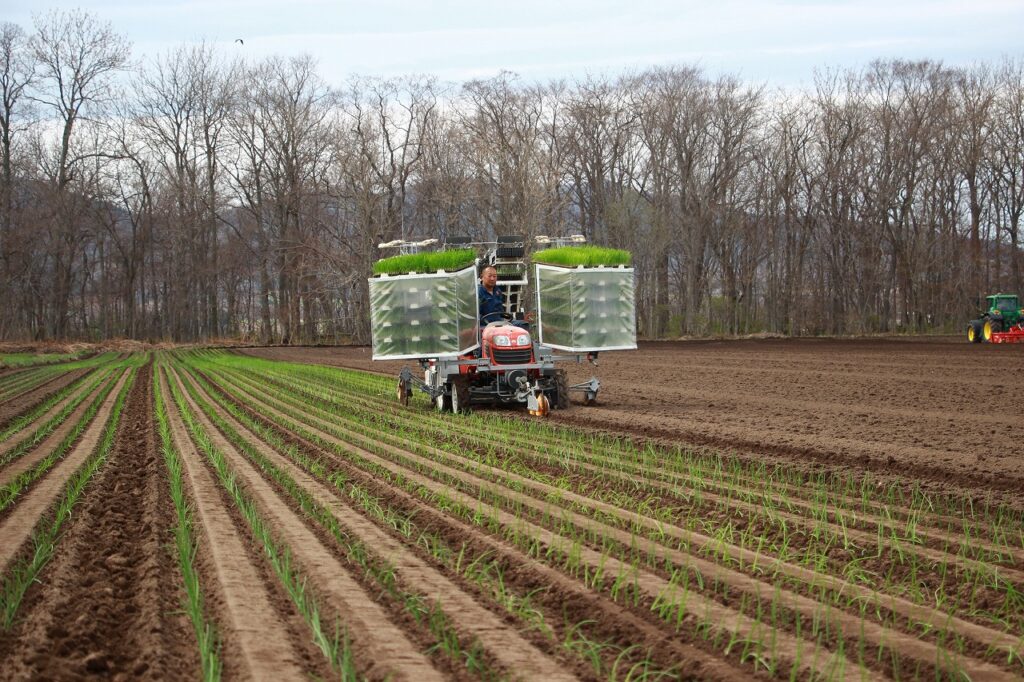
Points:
(1002, 322)
(424, 306)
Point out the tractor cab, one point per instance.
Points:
(1005, 305)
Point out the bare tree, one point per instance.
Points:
(789, 212)
(283, 133)
(213, 198)
(16, 71)
(513, 144)
(976, 98)
(76, 57)
(1007, 158)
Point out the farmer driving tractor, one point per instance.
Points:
(492, 301)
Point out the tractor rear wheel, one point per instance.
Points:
(974, 331)
(992, 327)
(561, 401)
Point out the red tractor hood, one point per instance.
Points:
(496, 335)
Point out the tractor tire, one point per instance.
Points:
(561, 401)
(992, 327)
(403, 391)
(974, 331)
(459, 400)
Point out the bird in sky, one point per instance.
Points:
(239, 40)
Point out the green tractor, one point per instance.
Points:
(1003, 322)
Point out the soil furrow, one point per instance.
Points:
(868, 376)
(11, 411)
(256, 644)
(907, 644)
(781, 364)
(675, 481)
(102, 606)
(563, 594)
(914, 612)
(17, 526)
(810, 518)
(368, 624)
(931, 469)
(938, 523)
(928, 526)
(17, 384)
(8, 374)
(51, 379)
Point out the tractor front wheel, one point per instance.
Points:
(992, 327)
(974, 332)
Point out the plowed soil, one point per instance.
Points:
(940, 411)
(17, 404)
(440, 546)
(103, 607)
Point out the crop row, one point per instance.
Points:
(968, 622)
(35, 506)
(372, 540)
(735, 514)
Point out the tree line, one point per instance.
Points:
(190, 196)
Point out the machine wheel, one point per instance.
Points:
(561, 390)
(460, 396)
(443, 402)
(974, 331)
(591, 398)
(402, 391)
(992, 327)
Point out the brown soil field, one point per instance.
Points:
(935, 410)
(762, 509)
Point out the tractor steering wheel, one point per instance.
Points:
(501, 315)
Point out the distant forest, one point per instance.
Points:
(190, 196)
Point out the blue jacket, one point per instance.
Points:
(491, 302)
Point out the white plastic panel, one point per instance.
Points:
(586, 309)
(424, 315)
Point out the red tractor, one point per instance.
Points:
(508, 369)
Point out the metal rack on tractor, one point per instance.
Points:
(433, 317)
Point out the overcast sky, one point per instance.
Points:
(772, 42)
